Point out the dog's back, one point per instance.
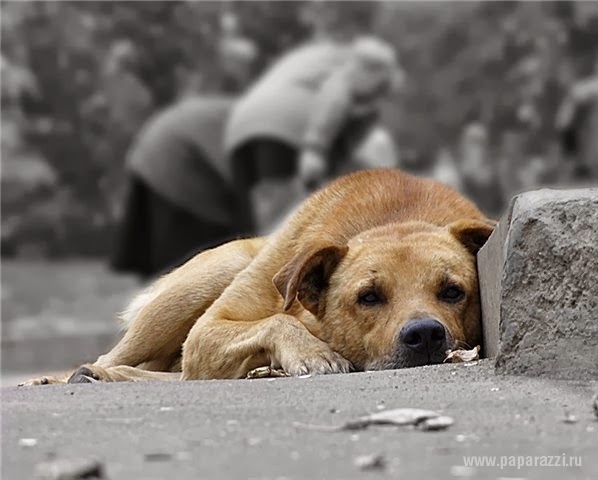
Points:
(367, 199)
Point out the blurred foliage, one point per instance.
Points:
(505, 64)
(78, 78)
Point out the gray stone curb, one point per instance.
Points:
(539, 285)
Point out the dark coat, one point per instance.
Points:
(179, 154)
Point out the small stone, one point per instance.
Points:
(70, 469)
(570, 418)
(157, 457)
(183, 456)
(27, 442)
(374, 461)
(253, 441)
(462, 471)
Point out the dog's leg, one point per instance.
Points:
(92, 373)
(230, 349)
(47, 380)
(121, 373)
(175, 302)
(160, 318)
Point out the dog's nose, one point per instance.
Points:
(424, 336)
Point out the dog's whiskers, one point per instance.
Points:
(462, 344)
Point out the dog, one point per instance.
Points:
(377, 270)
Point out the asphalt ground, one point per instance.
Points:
(246, 429)
(58, 315)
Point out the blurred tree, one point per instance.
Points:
(502, 63)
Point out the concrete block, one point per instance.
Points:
(539, 286)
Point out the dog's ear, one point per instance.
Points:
(472, 233)
(306, 276)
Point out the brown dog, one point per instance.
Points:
(376, 270)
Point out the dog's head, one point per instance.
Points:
(395, 296)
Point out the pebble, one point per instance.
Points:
(70, 469)
(374, 461)
(27, 442)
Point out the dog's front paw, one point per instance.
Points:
(316, 361)
(89, 374)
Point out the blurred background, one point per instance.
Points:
(495, 98)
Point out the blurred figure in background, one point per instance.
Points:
(113, 115)
(377, 150)
(479, 173)
(577, 122)
(303, 120)
(446, 170)
(180, 197)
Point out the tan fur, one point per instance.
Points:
(290, 300)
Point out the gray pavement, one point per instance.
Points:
(245, 429)
(57, 315)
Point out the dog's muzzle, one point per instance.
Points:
(422, 342)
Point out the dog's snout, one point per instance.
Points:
(424, 336)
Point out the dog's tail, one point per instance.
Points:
(137, 304)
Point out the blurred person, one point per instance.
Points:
(577, 123)
(112, 116)
(377, 150)
(127, 98)
(446, 170)
(479, 175)
(180, 197)
(303, 120)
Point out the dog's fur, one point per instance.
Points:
(338, 287)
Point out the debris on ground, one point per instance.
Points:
(397, 417)
(460, 355)
(374, 461)
(462, 471)
(27, 442)
(570, 418)
(595, 405)
(266, 372)
(436, 423)
(157, 457)
(70, 469)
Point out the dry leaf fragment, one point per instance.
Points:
(397, 416)
(460, 355)
(435, 424)
(266, 372)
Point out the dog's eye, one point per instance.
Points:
(370, 298)
(451, 294)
